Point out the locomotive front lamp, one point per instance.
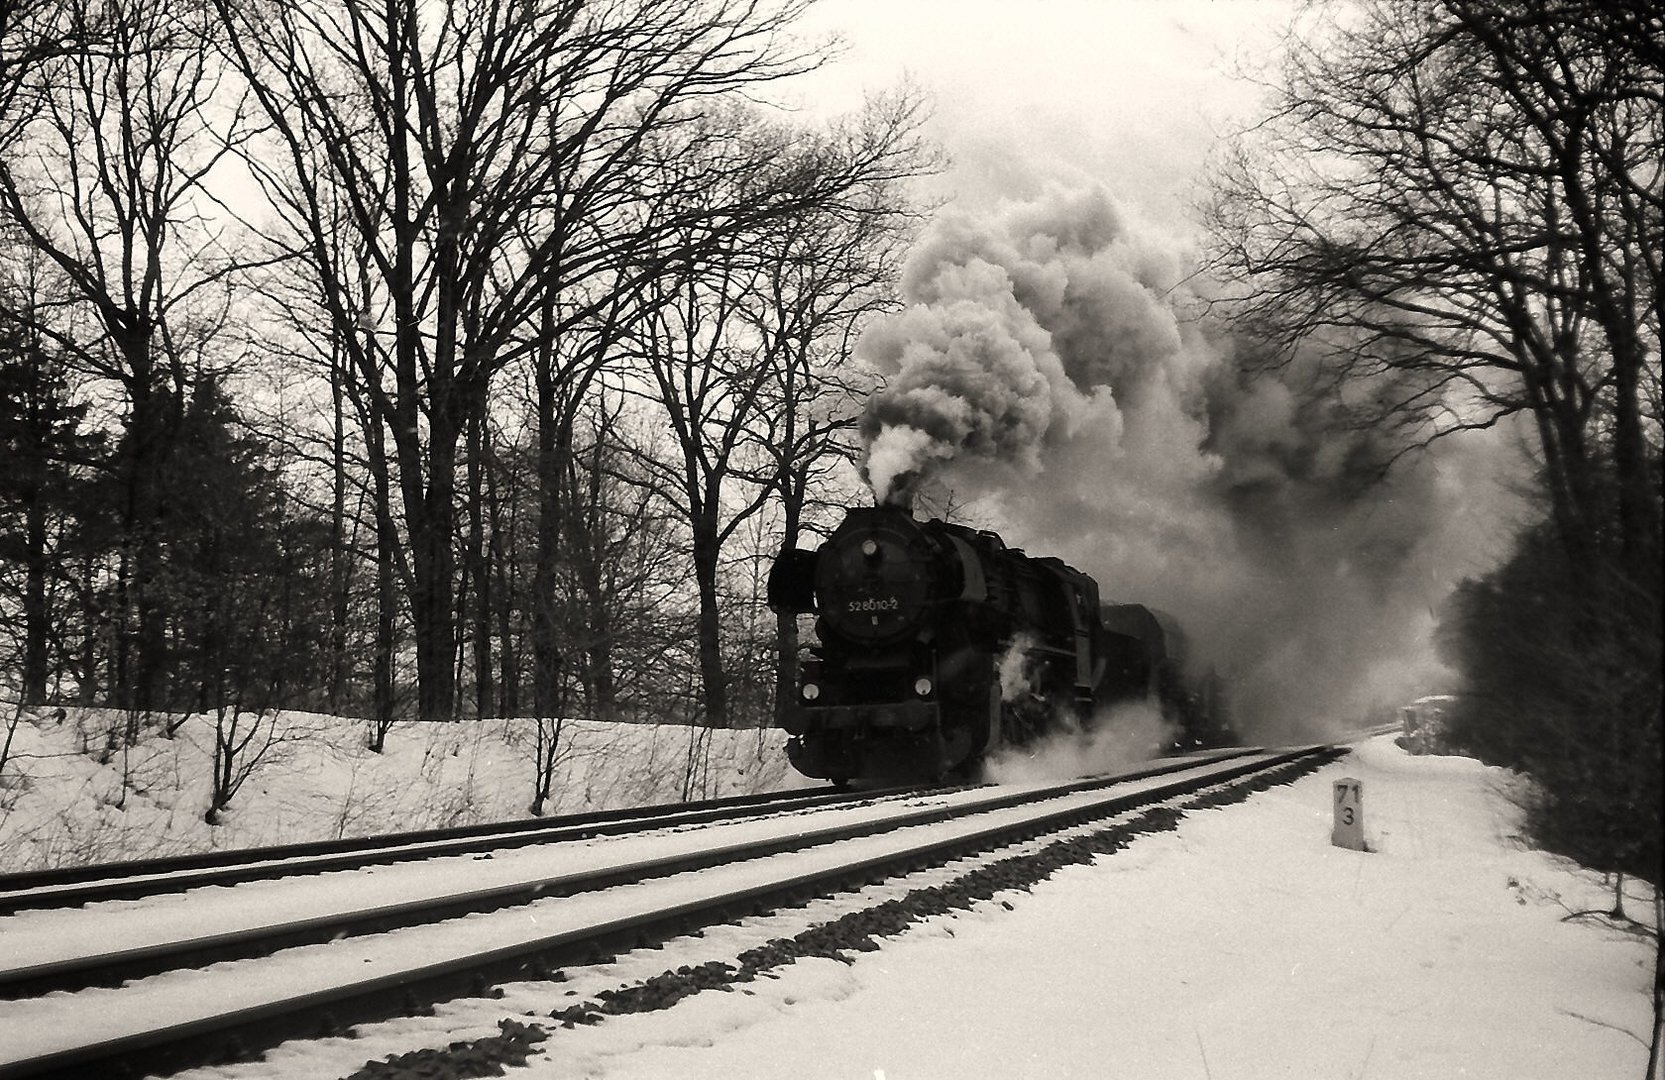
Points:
(922, 686)
(811, 691)
(870, 548)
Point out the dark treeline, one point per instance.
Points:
(412, 360)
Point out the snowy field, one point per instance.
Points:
(67, 796)
(1241, 945)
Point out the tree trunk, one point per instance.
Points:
(503, 594)
(336, 694)
(1639, 507)
(36, 614)
(431, 516)
(508, 656)
(599, 655)
(141, 650)
(92, 619)
(786, 622)
(386, 599)
(713, 680)
(485, 691)
(554, 445)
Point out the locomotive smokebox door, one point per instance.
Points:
(792, 582)
(875, 578)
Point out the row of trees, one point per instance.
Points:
(1454, 217)
(359, 346)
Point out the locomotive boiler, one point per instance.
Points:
(937, 644)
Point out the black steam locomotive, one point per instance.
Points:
(938, 644)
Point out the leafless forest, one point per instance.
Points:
(471, 358)
(423, 360)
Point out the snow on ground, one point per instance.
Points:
(1241, 946)
(70, 794)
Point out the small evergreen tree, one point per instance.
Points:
(244, 577)
(43, 447)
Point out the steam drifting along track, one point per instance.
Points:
(193, 1015)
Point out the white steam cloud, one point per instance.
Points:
(1120, 736)
(1014, 674)
(1052, 369)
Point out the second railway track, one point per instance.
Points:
(183, 1016)
(75, 885)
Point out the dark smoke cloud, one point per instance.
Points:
(1015, 337)
(1051, 370)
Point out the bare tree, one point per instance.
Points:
(108, 150)
(13, 720)
(244, 740)
(822, 276)
(548, 751)
(726, 364)
(1459, 207)
(482, 151)
(32, 34)
(710, 385)
(1461, 200)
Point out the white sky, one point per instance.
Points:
(1130, 92)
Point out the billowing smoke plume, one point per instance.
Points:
(1051, 369)
(1014, 339)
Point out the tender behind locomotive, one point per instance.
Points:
(938, 643)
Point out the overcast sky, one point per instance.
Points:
(1132, 93)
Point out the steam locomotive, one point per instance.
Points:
(938, 644)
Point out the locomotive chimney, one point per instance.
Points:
(900, 495)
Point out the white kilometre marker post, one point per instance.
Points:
(1348, 830)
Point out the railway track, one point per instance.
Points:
(316, 971)
(72, 886)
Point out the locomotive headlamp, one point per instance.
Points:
(870, 548)
(922, 686)
(811, 691)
